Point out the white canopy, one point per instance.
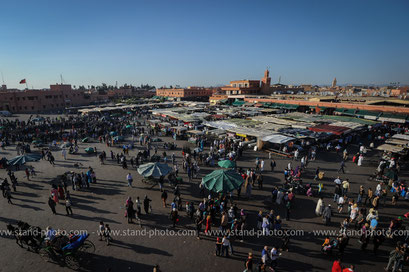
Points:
(401, 136)
(217, 131)
(396, 141)
(277, 139)
(390, 148)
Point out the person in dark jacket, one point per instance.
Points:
(52, 204)
(146, 202)
(327, 215)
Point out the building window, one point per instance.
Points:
(11, 98)
(43, 106)
(32, 108)
(18, 98)
(24, 98)
(25, 107)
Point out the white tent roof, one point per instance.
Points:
(390, 148)
(396, 141)
(277, 139)
(401, 136)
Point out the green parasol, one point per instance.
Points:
(89, 150)
(20, 160)
(154, 169)
(222, 181)
(227, 164)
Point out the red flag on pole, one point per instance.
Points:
(23, 81)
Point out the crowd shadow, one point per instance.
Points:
(112, 264)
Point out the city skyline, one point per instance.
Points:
(165, 43)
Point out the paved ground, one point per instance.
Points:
(105, 201)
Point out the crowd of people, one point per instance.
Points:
(361, 210)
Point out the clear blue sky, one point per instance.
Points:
(169, 42)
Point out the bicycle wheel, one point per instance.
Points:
(45, 255)
(71, 262)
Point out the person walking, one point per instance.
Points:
(219, 247)
(360, 195)
(107, 234)
(274, 257)
(342, 167)
(198, 222)
(64, 153)
(327, 215)
(164, 196)
(360, 159)
(320, 207)
(52, 205)
(8, 196)
(369, 196)
(345, 186)
(27, 173)
(272, 165)
(341, 201)
(225, 246)
(146, 204)
(129, 179)
(249, 263)
(174, 216)
(68, 205)
(395, 257)
(130, 212)
(296, 154)
(101, 230)
(262, 165)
